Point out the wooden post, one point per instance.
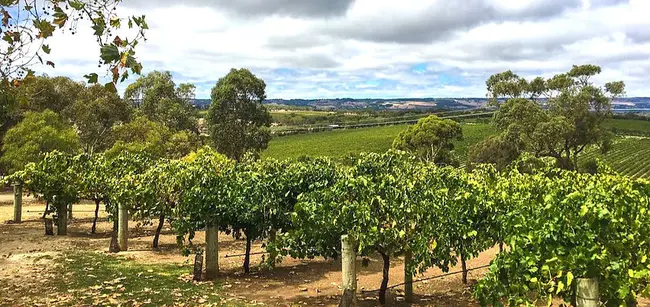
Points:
(211, 252)
(349, 271)
(18, 202)
(408, 277)
(587, 292)
(123, 227)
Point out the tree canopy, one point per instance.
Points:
(38, 133)
(430, 139)
(159, 99)
(556, 117)
(237, 120)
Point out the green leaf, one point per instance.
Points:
(110, 53)
(569, 278)
(110, 86)
(92, 78)
(560, 287)
(46, 49)
(77, 5)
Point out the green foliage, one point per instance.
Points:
(94, 114)
(563, 225)
(36, 135)
(54, 178)
(572, 121)
(206, 198)
(160, 100)
(430, 138)
(26, 24)
(156, 139)
(500, 150)
(237, 119)
(38, 94)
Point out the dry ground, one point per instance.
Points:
(26, 257)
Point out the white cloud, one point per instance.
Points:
(368, 48)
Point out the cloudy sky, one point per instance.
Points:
(380, 48)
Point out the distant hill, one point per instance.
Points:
(621, 104)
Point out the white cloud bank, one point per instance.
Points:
(380, 48)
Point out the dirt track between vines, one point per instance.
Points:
(25, 252)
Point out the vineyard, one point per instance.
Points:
(628, 156)
(556, 230)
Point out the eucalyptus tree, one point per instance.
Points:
(431, 139)
(556, 117)
(35, 135)
(158, 97)
(237, 120)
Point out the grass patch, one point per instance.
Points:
(92, 278)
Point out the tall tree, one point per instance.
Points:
(237, 119)
(571, 118)
(36, 135)
(431, 139)
(94, 114)
(159, 99)
(38, 94)
(154, 138)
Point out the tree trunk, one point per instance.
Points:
(62, 221)
(384, 280)
(114, 247)
(464, 267)
(500, 247)
(94, 229)
(49, 227)
(161, 222)
(69, 213)
(47, 208)
(408, 277)
(247, 258)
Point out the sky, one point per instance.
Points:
(378, 48)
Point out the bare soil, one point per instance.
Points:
(25, 253)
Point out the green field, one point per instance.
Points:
(340, 143)
(629, 155)
(629, 126)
